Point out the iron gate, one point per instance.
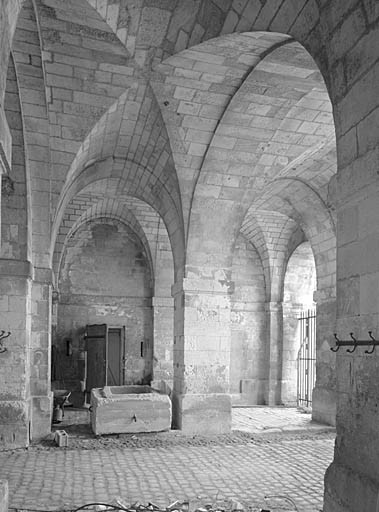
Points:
(306, 358)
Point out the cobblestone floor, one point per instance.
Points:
(165, 467)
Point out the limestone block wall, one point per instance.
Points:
(105, 278)
(352, 480)
(14, 240)
(248, 366)
(15, 314)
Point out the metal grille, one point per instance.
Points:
(306, 358)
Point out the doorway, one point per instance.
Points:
(105, 356)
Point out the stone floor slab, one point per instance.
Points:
(260, 419)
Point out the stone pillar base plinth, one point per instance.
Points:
(348, 491)
(14, 424)
(205, 414)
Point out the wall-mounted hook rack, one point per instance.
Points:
(2, 338)
(353, 342)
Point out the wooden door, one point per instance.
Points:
(115, 358)
(96, 356)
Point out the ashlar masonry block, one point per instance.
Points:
(14, 426)
(205, 414)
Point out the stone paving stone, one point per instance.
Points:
(59, 478)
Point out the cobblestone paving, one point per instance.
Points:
(172, 466)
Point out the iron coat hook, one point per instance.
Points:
(373, 344)
(354, 342)
(337, 347)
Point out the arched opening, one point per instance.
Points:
(299, 287)
(105, 278)
(248, 327)
(260, 161)
(119, 249)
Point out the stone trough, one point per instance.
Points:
(129, 409)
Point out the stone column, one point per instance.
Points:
(15, 317)
(163, 343)
(40, 354)
(201, 399)
(352, 480)
(324, 393)
(275, 349)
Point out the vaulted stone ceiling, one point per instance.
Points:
(191, 132)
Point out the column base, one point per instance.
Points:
(14, 424)
(348, 491)
(324, 406)
(205, 414)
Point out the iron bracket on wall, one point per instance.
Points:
(353, 342)
(2, 338)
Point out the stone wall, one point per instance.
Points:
(104, 278)
(248, 365)
(15, 361)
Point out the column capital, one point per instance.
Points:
(16, 268)
(203, 286)
(24, 268)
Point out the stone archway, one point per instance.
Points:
(265, 132)
(300, 283)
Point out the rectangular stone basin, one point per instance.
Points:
(129, 409)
